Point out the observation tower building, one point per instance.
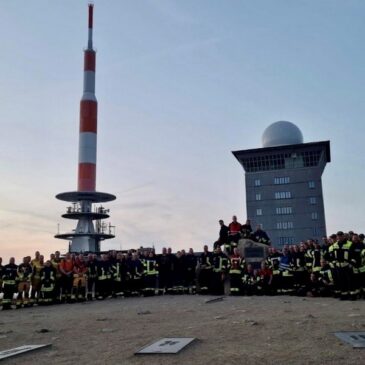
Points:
(284, 184)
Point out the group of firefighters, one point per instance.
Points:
(336, 268)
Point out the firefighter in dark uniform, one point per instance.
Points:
(179, 273)
(136, 271)
(340, 258)
(286, 268)
(249, 281)
(246, 230)
(236, 266)
(118, 276)
(9, 278)
(190, 280)
(325, 279)
(273, 263)
(300, 272)
(261, 236)
(103, 281)
(220, 264)
(223, 235)
(317, 255)
(205, 273)
(48, 279)
(56, 260)
(91, 275)
(165, 272)
(24, 276)
(355, 257)
(150, 275)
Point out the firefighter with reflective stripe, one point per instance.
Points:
(136, 271)
(118, 276)
(205, 270)
(220, 265)
(9, 278)
(236, 266)
(150, 275)
(340, 256)
(273, 263)
(24, 276)
(287, 277)
(56, 260)
(317, 255)
(355, 258)
(91, 275)
(48, 278)
(79, 280)
(309, 258)
(37, 265)
(325, 279)
(261, 236)
(249, 281)
(264, 280)
(299, 267)
(103, 282)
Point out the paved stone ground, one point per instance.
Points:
(237, 330)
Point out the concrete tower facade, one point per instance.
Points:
(284, 184)
(87, 236)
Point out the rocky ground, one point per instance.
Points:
(237, 330)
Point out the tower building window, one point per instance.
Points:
(311, 184)
(284, 210)
(258, 197)
(283, 195)
(284, 225)
(312, 200)
(281, 180)
(257, 182)
(258, 211)
(314, 216)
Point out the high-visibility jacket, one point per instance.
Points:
(25, 272)
(205, 260)
(317, 255)
(150, 266)
(10, 274)
(340, 253)
(48, 277)
(325, 275)
(362, 265)
(219, 262)
(104, 270)
(37, 267)
(236, 264)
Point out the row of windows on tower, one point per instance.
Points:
(290, 240)
(286, 211)
(284, 180)
(285, 195)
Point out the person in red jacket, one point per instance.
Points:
(234, 234)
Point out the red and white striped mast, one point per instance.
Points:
(86, 236)
(88, 117)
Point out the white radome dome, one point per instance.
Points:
(281, 133)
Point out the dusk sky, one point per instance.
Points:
(180, 84)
